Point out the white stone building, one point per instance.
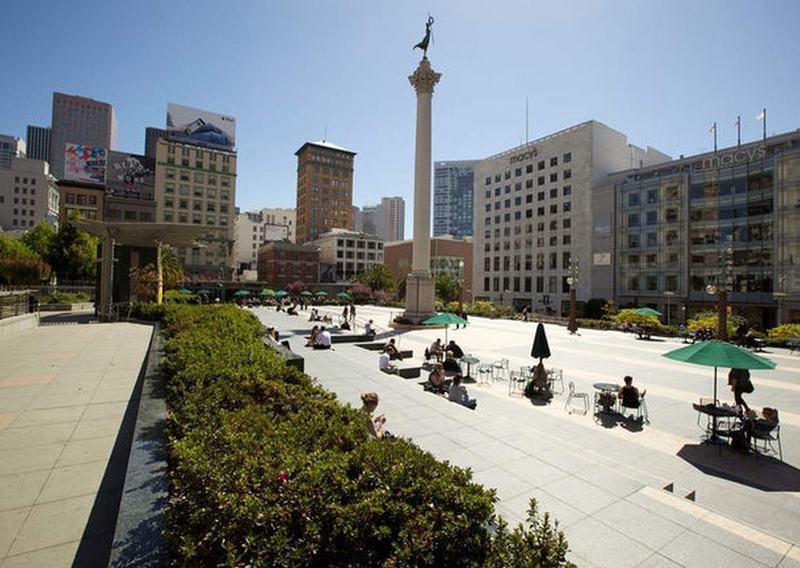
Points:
(533, 214)
(281, 216)
(386, 220)
(343, 254)
(28, 194)
(251, 230)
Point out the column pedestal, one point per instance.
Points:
(419, 298)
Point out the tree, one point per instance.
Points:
(447, 288)
(73, 253)
(39, 238)
(19, 264)
(377, 277)
(145, 278)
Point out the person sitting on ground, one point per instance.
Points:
(375, 423)
(391, 350)
(345, 325)
(385, 365)
(458, 353)
(292, 310)
(458, 393)
(312, 337)
(451, 365)
(323, 340)
(629, 394)
(313, 316)
(369, 328)
(436, 379)
(436, 350)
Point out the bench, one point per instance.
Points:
(350, 338)
(375, 346)
(407, 354)
(409, 372)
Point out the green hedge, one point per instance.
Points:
(269, 469)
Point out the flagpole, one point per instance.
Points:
(764, 112)
(715, 137)
(738, 130)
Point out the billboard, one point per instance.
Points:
(130, 175)
(195, 126)
(85, 163)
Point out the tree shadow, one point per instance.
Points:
(754, 470)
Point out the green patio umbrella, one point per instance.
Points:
(719, 354)
(242, 293)
(204, 291)
(281, 293)
(447, 319)
(267, 292)
(540, 349)
(647, 312)
(185, 291)
(306, 293)
(321, 293)
(343, 295)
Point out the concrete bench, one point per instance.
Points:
(375, 346)
(409, 372)
(407, 354)
(350, 338)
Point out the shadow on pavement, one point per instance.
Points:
(67, 318)
(761, 472)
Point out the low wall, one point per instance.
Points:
(13, 325)
(80, 307)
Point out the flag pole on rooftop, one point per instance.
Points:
(713, 130)
(738, 130)
(762, 116)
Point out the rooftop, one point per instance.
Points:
(326, 144)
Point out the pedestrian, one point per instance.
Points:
(353, 312)
(739, 381)
(525, 313)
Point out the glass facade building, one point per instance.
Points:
(452, 198)
(677, 223)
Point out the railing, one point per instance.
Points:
(13, 304)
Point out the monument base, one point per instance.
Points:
(419, 298)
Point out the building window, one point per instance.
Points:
(633, 199)
(567, 157)
(554, 177)
(553, 162)
(651, 218)
(540, 180)
(567, 174)
(540, 165)
(554, 193)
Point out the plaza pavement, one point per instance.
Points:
(63, 392)
(604, 482)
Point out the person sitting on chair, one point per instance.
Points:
(385, 365)
(323, 340)
(450, 364)
(458, 353)
(760, 425)
(391, 350)
(458, 393)
(312, 338)
(345, 325)
(436, 349)
(436, 379)
(629, 394)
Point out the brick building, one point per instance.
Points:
(448, 255)
(281, 263)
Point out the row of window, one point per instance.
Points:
(199, 153)
(80, 199)
(198, 177)
(529, 185)
(566, 223)
(24, 212)
(359, 255)
(197, 191)
(199, 165)
(24, 180)
(518, 284)
(25, 190)
(352, 243)
(493, 264)
(211, 206)
(23, 222)
(566, 159)
(196, 219)
(566, 190)
(540, 241)
(506, 217)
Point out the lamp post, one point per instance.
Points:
(723, 284)
(572, 280)
(669, 296)
(460, 285)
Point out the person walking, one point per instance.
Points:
(353, 313)
(739, 381)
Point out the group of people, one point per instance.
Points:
(319, 338)
(437, 350)
(316, 316)
(455, 391)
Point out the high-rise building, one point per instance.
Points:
(324, 189)
(28, 194)
(151, 137)
(452, 198)
(38, 138)
(691, 226)
(356, 219)
(368, 219)
(385, 220)
(252, 229)
(79, 120)
(10, 147)
(534, 214)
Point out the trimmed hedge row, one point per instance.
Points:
(269, 469)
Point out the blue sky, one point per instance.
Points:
(661, 72)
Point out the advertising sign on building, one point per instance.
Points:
(130, 175)
(85, 163)
(195, 126)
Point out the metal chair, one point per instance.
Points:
(485, 372)
(573, 394)
(641, 409)
(517, 382)
(555, 376)
(767, 439)
(501, 369)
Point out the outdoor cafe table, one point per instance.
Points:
(608, 389)
(724, 412)
(469, 360)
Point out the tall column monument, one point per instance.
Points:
(419, 284)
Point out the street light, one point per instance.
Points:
(572, 280)
(723, 282)
(669, 296)
(460, 285)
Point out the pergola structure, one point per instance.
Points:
(116, 233)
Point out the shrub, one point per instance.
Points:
(66, 298)
(594, 308)
(267, 468)
(785, 331)
(596, 324)
(629, 317)
(147, 311)
(710, 320)
(482, 308)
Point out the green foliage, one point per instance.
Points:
(628, 317)
(65, 298)
(19, 264)
(710, 320)
(72, 253)
(610, 309)
(145, 278)
(447, 288)
(269, 469)
(175, 297)
(377, 277)
(785, 331)
(148, 311)
(596, 324)
(482, 308)
(39, 238)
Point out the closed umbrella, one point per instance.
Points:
(719, 354)
(647, 312)
(540, 348)
(447, 319)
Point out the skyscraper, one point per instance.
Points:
(324, 189)
(151, 137)
(452, 198)
(79, 120)
(10, 147)
(392, 219)
(38, 138)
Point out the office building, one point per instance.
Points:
(281, 216)
(10, 147)
(386, 219)
(677, 223)
(344, 254)
(85, 199)
(28, 195)
(324, 189)
(281, 263)
(81, 121)
(357, 227)
(38, 142)
(448, 256)
(151, 137)
(452, 198)
(251, 230)
(130, 187)
(534, 214)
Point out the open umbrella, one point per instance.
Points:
(647, 312)
(719, 354)
(204, 291)
(540, 349)
(306, 293)
(343, 295)
(267, 292)
(185, 291)
(281, 293)
(242, 293)
(446, 319)
(321, 293)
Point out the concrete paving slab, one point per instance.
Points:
(602, 545)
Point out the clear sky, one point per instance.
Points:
(659, 71)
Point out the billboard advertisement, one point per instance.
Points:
(195, 126)
(85, 163)
(130, 175)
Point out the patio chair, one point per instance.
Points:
(485, 371)
(556, 376)
(768, 438)
(501, 369)
(517, 382)
(572, 394)
(640, 409)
